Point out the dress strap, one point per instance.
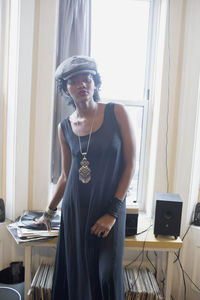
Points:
(65, 126)
(110, 117)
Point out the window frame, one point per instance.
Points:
(146, 103)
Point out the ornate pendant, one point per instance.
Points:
(84, 171)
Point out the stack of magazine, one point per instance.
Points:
(42, 283)
(141, 284)
(25, 228)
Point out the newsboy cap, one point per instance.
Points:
(75, 65)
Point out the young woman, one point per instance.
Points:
(98, 162)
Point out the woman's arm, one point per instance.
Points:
(104, 224)
(65, 167)
(60, 186)
(129, 150)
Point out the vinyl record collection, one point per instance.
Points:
(140, 284)
(42, 283)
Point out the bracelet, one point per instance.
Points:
(49, 213)
(115, 207)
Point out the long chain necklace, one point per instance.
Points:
(84, 170)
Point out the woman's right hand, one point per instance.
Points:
(42, 220)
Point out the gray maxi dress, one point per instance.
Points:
(88, 267)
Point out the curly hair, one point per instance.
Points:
(62, 84)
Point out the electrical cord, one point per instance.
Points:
(186, 232)
(163, 280)
(132, 284)
(144, 230)
(141, 253)
(147, 256)
(178, 259)
(182, 269)
(198, 289)
(135, 259)
(183, 275)
(155, 253)
(179, 250)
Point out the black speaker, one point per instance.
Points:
(131, 221)
(168, 210)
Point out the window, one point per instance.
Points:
(121, 42)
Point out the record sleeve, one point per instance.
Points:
(28, 220)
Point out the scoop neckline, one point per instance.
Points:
(93, 132)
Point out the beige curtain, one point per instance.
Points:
(73, 38)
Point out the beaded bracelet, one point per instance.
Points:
(114, 208)
(49, 213)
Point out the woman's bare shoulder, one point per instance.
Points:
(120, 110)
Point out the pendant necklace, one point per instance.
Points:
(84, 170)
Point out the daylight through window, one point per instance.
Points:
(121, 41)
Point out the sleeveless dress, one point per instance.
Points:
(88, 267)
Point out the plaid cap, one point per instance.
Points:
(75, 65)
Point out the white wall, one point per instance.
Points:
(27, 119)
(187, 159)
(42, 103)
(3, 74)
(183, 132)
(29, 105)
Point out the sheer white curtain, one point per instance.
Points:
(73, 38)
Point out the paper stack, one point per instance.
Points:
(25, 228)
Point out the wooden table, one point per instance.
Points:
(145, 241)
(28, 261)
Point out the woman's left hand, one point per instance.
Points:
(103, 225)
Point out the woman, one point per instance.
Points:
(98, 162)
